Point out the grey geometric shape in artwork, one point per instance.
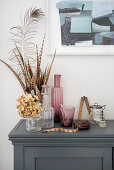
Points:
(86, 22)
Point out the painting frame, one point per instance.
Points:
(54, 41)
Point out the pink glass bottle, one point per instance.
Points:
(57, 97)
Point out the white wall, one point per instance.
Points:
(92, 76)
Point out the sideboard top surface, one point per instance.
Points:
(19, 131)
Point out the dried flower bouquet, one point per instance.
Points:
(28, 106)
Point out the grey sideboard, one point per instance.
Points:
(86, 150)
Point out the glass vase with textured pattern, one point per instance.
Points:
(57, 97)
(48, 112)
(67, 115)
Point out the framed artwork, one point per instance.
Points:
(77, 27)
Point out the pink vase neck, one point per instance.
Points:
(57, 80)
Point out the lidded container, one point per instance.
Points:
(47, 113)
(97, 114)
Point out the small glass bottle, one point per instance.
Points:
(47, 113)
(102, 123)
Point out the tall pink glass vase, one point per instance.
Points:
(57, 97)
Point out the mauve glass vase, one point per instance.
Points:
(67, 115)
(56, 97)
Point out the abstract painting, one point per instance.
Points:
(86, 23)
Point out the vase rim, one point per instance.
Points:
(68, 107)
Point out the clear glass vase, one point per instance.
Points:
(47, 113)
(33, 124)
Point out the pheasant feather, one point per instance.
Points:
(30, 75)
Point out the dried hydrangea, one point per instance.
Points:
(28, 106)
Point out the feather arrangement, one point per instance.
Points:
(23, 36)
(30, 78)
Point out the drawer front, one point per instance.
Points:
(67, 158)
